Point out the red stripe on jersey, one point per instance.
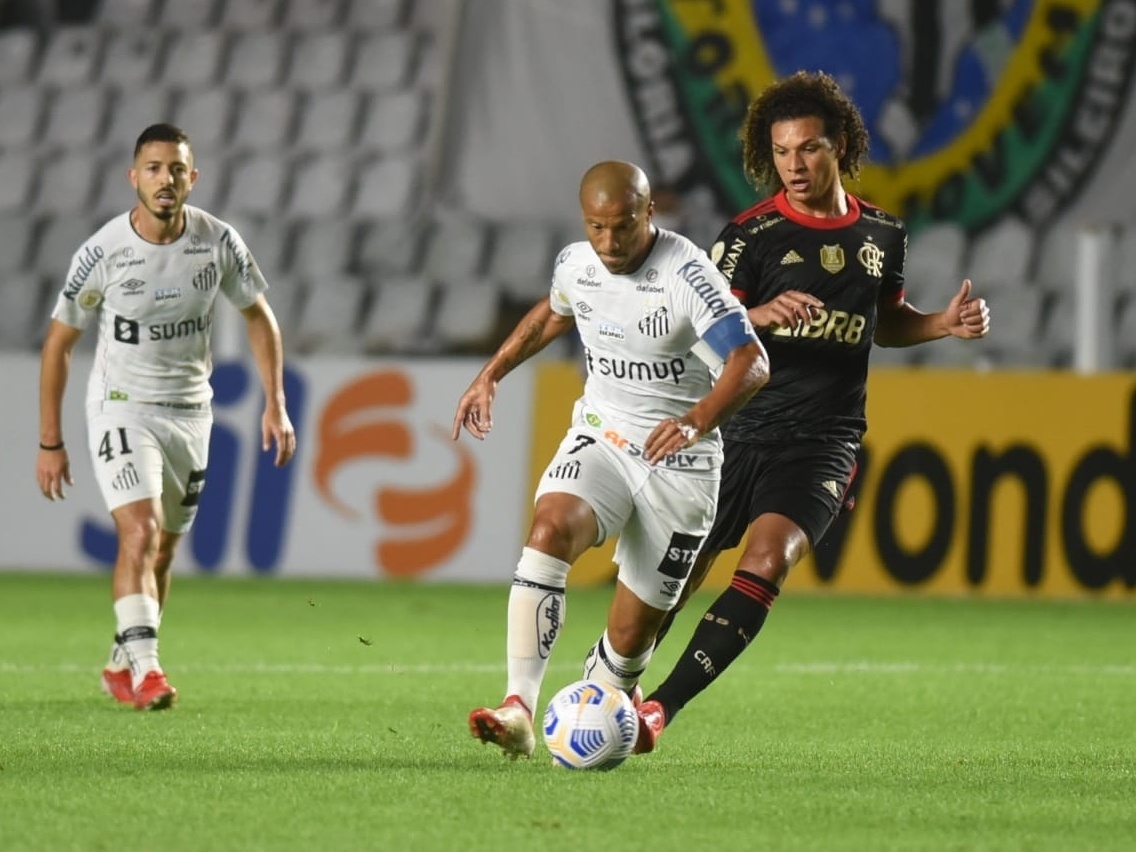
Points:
(740, 294)
(769, 205)
(753, 590)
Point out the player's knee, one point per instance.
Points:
(557, 536)
(769, 563)
(138, 537)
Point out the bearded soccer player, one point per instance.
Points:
(642, 455)
(822, 275)
(148, 280)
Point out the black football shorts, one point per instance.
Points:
(806, 481)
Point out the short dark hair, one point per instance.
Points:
(801, 95)
(161, 133)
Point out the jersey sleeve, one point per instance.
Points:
(719, 319)
(84, 289)
(241, 278)
(894, 281)
(559, 295)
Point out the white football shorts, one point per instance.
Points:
(139, 455)
(661, 516)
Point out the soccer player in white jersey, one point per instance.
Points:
(642, 456)
(149, 280)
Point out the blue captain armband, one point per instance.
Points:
(728, 333)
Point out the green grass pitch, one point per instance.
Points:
(325, 715)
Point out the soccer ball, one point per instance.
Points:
(589, 725)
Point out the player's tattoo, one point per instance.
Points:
(530, 337)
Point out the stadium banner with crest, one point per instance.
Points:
(377, 489)
(976, 112)
(995, 484)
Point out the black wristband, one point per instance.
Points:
(51, 447)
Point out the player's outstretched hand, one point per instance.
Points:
(788, 310)
(967, 317)
(53, 471)
(475, 409)
(276, 427)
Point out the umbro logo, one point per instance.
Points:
(791, 257)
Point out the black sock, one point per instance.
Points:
(728, 626)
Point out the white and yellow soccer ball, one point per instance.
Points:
(590, 725)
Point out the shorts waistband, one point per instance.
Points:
(181, 406)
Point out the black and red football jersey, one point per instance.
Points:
(819, 371)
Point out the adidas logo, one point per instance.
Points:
(829, 486)
(791, 257)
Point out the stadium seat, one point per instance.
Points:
(19, 47)
(1015, 323)
(70, 56)
(131, 112)
(264, 120)
(456, 246)
(467, 314)
(395, 121)
(194, 58)
(23, 316)
(21, 107)
(286, 297)
(328, 121)
(522, 258)
(205, 114)
(66, 182)
(383, 60)
(387, 187)
(399, 312)
(323, 246)
(1123, 262)
(329, 322)
(249, 14)
(321, 186)
(75, 116)
(269, 239)
(935, 262)
(374, 14)
(113, 193)
(311, 14)
(180, 15)
(15, 241)
(1055, 268)
(390, 246)
(58, 239)
(1002, 253)
(124, 14)
(256, 59)
(258, 185)
(1125, 334)
(129, 59)
(318, 60)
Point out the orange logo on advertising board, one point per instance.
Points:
(361, 422)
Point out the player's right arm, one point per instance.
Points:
(53, 467)
(539, 327)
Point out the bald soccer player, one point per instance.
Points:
(670, 354)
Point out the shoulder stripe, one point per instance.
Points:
(759, 209)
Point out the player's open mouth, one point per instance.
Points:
(799, 185)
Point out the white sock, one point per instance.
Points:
(606, 666)
(137, 617)
(117, 661)
(536, 618)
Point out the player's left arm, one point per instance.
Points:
(899, 323)
(268, 351)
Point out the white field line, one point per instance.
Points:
(815, 668)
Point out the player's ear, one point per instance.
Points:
(132, 176)
(193, 174)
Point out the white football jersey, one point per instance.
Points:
(155, 305)
(640, 334)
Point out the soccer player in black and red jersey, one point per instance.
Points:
(822, 274)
